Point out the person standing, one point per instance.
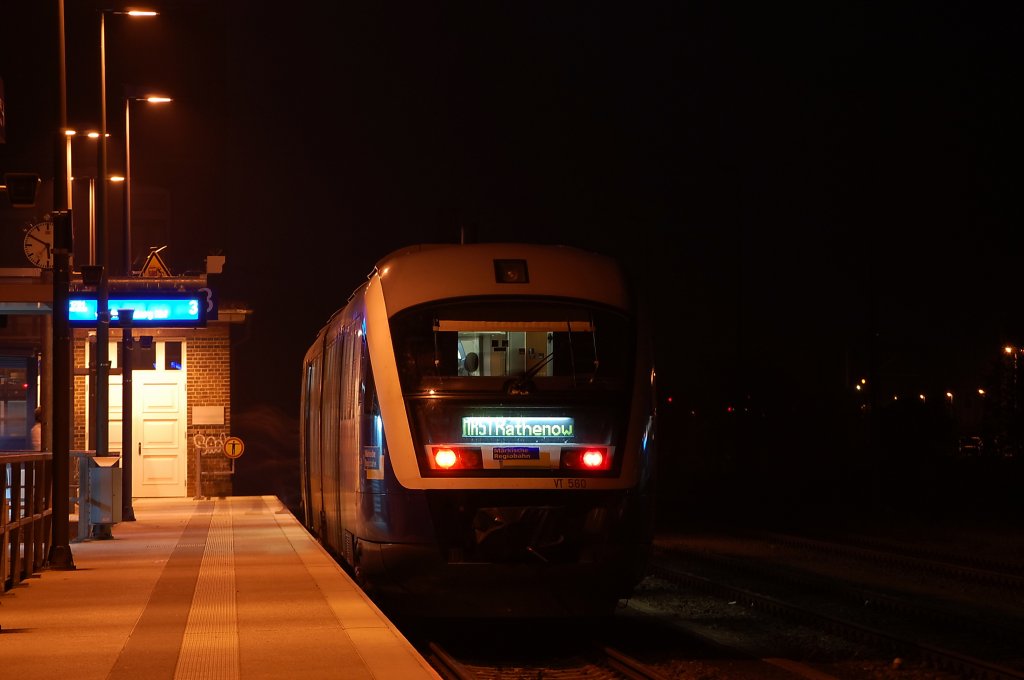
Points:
(37, 430)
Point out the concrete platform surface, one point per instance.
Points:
(220, 588)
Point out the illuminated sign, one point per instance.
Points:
(502, 426)
(180, 309)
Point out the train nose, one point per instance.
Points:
(518, 534)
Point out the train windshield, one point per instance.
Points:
(518, 347)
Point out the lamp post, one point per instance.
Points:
(127, 240)
(57, 366)
(103, 288)
(102, 359)
(125, 317)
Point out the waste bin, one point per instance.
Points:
(104, 490)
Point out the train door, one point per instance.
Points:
(159, 418)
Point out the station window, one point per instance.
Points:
(15, 403)
(172, 356)
(142, 358)
(146, 354)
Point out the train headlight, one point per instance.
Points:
(590, 458)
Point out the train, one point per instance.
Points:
(478, 432)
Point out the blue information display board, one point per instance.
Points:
(148, 310)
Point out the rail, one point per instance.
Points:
(26, 514)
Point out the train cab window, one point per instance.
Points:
(482, 346)
(490, 352)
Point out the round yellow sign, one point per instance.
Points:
(233, 447)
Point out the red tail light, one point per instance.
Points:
(455, 458)
(592, 458)
(445, 458)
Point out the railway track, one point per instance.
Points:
(895, 621)
(1004, 574)
(602, 663)
(740, 616)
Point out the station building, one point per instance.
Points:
(181, 380)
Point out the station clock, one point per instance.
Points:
(39, 244)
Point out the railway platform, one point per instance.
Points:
(223, 588)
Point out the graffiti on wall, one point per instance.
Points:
(208, 444)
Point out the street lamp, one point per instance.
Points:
(66, 170)
(127, 240)
(103, 289)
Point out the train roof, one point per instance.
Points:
(427, 272)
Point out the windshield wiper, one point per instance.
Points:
(544, 361)
(523, 384)
(597, 361)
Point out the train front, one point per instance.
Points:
(519, 444)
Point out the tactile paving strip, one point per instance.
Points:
(209, 648)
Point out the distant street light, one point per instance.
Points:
(93, 135)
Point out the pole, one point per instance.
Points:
(102, 419)
(60, 548)
(59, 402)
(61, 201)
(127, 240)
(103, 289)
(124, 316)
(92, 220)
(62, 176)
(199, 476)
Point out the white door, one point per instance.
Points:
(159, 418)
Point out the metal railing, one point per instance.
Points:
(26, 514)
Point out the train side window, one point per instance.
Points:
(368, 396)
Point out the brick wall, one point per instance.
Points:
(209, 384)
(78, 437)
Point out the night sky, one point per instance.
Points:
(805, 194)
